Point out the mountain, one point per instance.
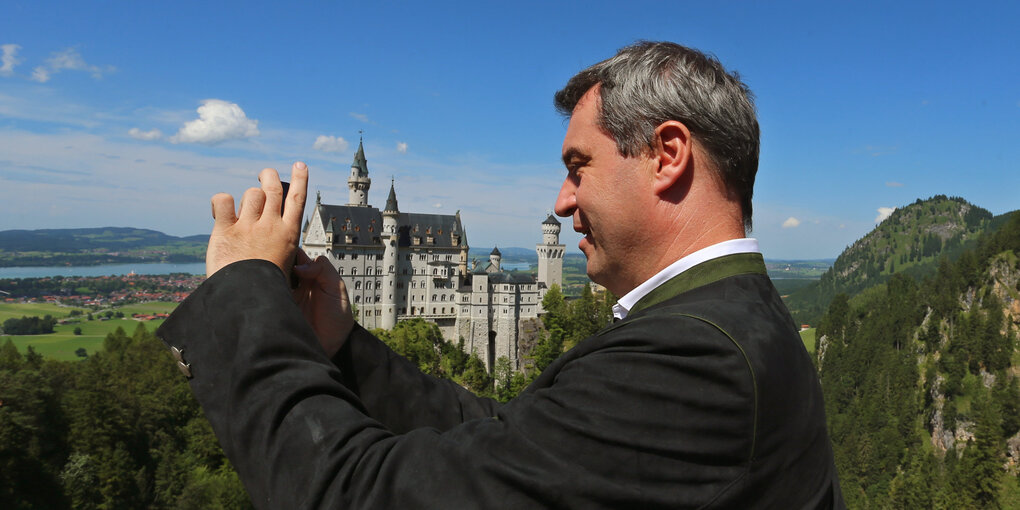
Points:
(91, 246)
(921, 378)
(909, 242)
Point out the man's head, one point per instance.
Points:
(650, 83)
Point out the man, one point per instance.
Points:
(700, 396)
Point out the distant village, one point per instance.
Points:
(98, 292)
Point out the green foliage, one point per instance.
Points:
(910, 242)
(899, 355)
(30, 325)
(119, 429)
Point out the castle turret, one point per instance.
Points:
(495, 258)
(550, 254)
(358, 182)
(390, 238)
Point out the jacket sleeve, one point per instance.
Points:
(400, 396)
(299, 434)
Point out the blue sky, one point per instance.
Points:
(135, 113)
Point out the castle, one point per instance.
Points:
(399, 265)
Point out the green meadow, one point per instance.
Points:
(62, 343)
(808, 337)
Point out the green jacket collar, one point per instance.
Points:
(703, 274)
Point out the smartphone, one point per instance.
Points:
(286, 188)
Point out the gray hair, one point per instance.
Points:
(648, 83)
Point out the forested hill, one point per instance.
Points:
(909, 242)
(921, 382)
(90, 246)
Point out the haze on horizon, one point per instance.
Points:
(134, 114)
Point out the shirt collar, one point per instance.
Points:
(743, 245)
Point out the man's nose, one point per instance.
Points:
(566, 201)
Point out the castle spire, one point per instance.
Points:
(391, 200)
(359, 160)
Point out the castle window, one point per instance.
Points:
(354, 256)
(368, 285)
(354, 271)
(378, 256)
(378, 284)
(357, 285)
(340, 271)
(430, 240)
(368, 270)
(391, 269)
(357, 299)
(416, 240)
(433, 297)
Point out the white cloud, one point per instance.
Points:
(217, 121)
(791, 222)
(68, 59)
(883, 213)
(9, 59)
(894, 184)
(402, 147)
(438, 205)
(40, 74)
(138, 134)
(326, 143)
(360, 116)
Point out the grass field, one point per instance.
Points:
(62, 343)
(19, 310)
(808, 337)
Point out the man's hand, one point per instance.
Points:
(322, 297)
(258, 231)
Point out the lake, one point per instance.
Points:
(153, 268)
(103, 270)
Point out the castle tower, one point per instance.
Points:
(460, 239)
(389, 237)
(359, 182)
(495, 257)
(550, 253)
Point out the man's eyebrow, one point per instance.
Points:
(574, 153)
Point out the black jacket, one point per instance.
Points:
(703, 397)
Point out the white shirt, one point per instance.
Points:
(743, 245)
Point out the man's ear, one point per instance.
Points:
(673, 148)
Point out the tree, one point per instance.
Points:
(77, 331)
(10, 358)
(81, 352)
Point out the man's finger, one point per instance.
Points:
(252, 202)
(295, 198)
(272, 187)
(223, 209)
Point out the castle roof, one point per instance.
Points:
(391, 201)
(495, 251)
(359, 160)
(364, 225)
(551, 221)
